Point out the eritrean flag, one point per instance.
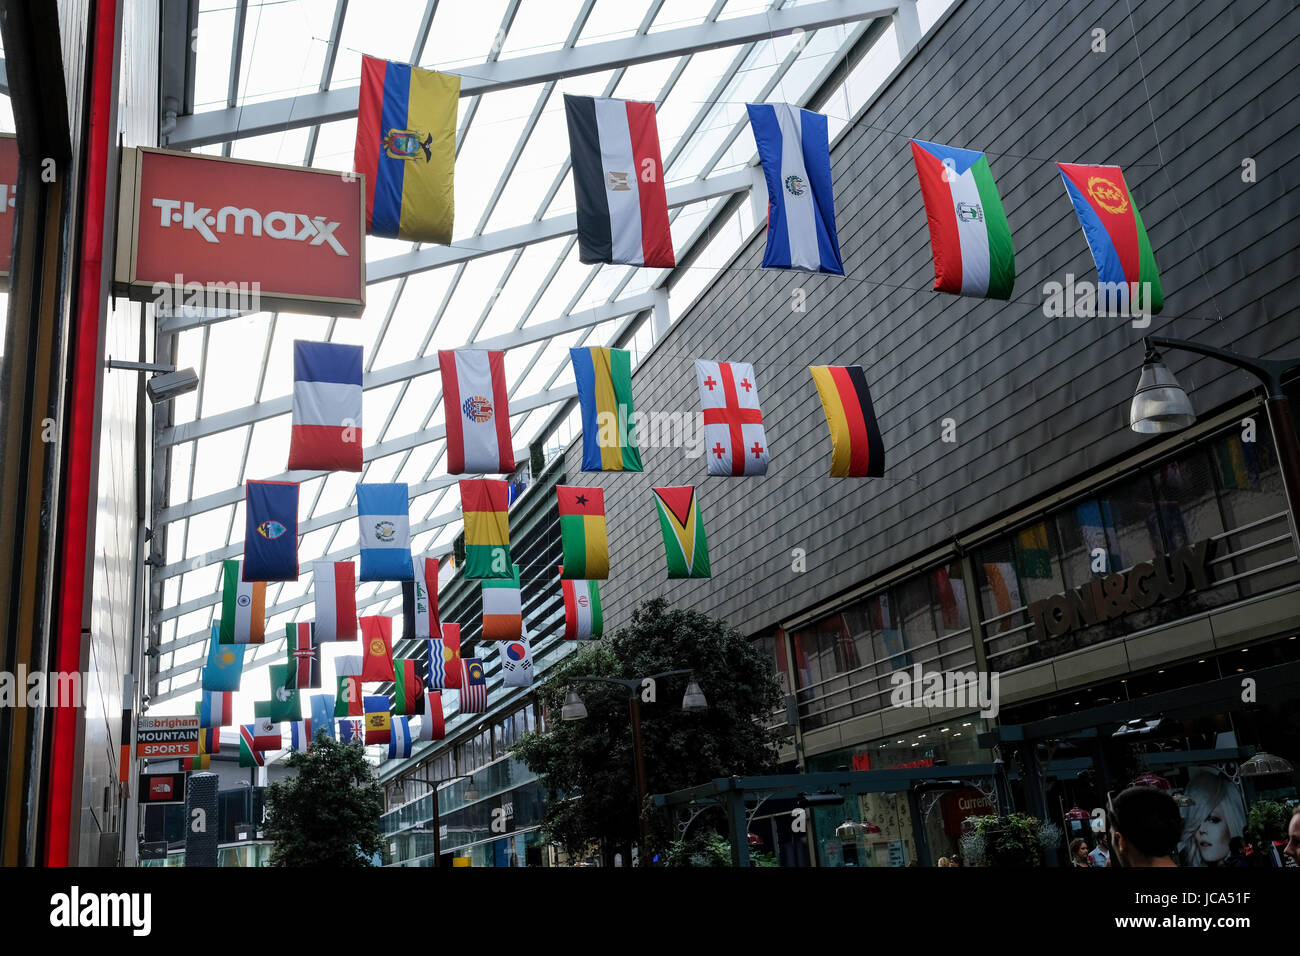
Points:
(485, 505)
(1115, 233)
(969, 235)
(604, 379)
(406, 147)
(858, 450)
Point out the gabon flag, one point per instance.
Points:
(406, 147)
(485, 505)
(474, 395)
(604, 380)
(857, 448)
(334, 584)
(377, 643)
(583, 534)
(326, 433)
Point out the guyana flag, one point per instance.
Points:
(408, 687)
(485, 503)
(583, 533)
(683, 530)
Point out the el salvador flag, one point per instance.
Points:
(794, 149)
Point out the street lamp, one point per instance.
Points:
(693, 702)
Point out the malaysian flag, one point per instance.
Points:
(473, 686)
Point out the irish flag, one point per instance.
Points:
(969, 235)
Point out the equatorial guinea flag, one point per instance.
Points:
(326, 432)
(477, 410)
(618, 181)
(420, 600)
(857, 449)
(794, 148)
(335, 587)
(243, 607)
(734, 440)
(969, 235)
(582, 617)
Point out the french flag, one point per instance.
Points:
(794, 149)
(326, 407)
(622, 208)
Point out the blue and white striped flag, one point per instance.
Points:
(300, 733)
(399, 740)
(383, 513)
(794, 148)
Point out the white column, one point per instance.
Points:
(907, 27)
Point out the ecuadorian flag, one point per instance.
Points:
(604, 378)
(406, 147)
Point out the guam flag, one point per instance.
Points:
(271, 534)
(1126, 266)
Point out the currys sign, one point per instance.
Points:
(189, 224)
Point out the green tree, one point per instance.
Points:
(327, 815)
(587, 765)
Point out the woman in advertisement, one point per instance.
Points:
(1216, 814)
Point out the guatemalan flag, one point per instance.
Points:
(271, 531)
(326, 432)
(477, 412)
(969, 235)
(383, 512)
(794, 149)
(619, 183)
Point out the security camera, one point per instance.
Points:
(145, 699)
(168, 385)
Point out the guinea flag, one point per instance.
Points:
(485, 504)
(408, 687)
(582, 617)
(583, 534)
(858, 450)
(969, 235)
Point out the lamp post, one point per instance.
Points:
(471, 794)
(1161, 405)
(692, 702)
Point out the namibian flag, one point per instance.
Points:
(503, 618)
(408, 686)
(379, 721)
(858, 451)
(683, 529)
(271, 531)
(583, 534)
(474, 394)
(326, 432)
(485, 505)
(582, 617)
(604, 378)
(1126, 266)
(618, 179)
(969, 235)
(406, 147)
(243, 607)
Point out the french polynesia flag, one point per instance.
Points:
(619, 183)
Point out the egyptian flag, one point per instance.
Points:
(304, 656)
(477, 412)
(857, 448)
(420, 600)
(408, 686)
(384, 526)
(243, 607)
(517, 663)
(969, 235)
(350, 730)
(582, 618)
(347, 699)
(216, 709)
(335, 586)
(473, 686)
(734, 440)
(433, 725)
(377, 644)
(444, 659)
(618, 178)
(326, 433)
(682, 525)
(584, 537)
(271, 531)
(379, 721)
(485, 505)
(503, 618)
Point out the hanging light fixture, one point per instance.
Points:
(693, 701)
(1265, 764)
(848, 831)
(574, 708)
(1159, 404)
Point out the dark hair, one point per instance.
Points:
(1235, 844)
(1149, 819)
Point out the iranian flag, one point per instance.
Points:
(582, 617)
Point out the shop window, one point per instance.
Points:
(1251, 498)
(1006, 628)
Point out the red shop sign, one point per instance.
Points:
(8, 202)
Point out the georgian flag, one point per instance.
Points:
(326, 432)
(474, 396)
(734, 440)
(335, 586)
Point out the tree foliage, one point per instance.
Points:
(587, 765)
(327, 815)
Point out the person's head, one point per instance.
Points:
(1078, 847)
(1293, 837)
(1103, 841)
(1236, 845)
(1145, 827)
(1214, 817)
(943, 861)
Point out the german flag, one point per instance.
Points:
(858, 451)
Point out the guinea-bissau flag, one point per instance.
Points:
(485, 505)
(406, 147)
(969, 235)
(857, 448)
(618, 181)
(583, 534)
(604, 379)
(1115, 233)
(683, 529)
(408, 687)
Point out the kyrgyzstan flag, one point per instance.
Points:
(377, 643)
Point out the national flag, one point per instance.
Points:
(334, 584)
(444, 659)
(485, 504)
(406, 148)
(583, 534)
(378, 720)
(216, 708)
(794, 148)
(350, 730)
(734, 440)
(201, 762)
(408, 686)
(618, 182)
(210, 740)
(952, 598)
(683, 530)
(266, 732)
(326, 433)
(582, 617)
(271, 531)
(400, 739)
(383, 512)
(1100, 535)
(478, 412)
(225, 663)
(517, 663)
(249, 754)
(857, 450)
(243, 607)
(969, 235)
(433, 725)
(420, 600)
(300, 734)
(1005, 589)
(1126, 266)
(604, 379)
(304, 656)
(322, 714)
(503, 618)
(377, 642)
(285, 704)
(347, 672)
(1034, 552)
(473, 686)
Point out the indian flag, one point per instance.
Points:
(243, 607)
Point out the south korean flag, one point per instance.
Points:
(516, 663)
